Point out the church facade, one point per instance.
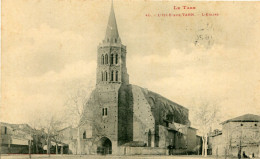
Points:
(121, 118)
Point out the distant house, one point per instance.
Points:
(216, 139)
(68, 140)
(15, 138)
(242, 132)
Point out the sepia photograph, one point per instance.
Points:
(130, 79)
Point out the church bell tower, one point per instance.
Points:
(111, 76)
(111, 56)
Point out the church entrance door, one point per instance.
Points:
(104, 146)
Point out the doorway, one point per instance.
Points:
(104, 146)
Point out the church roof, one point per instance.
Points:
(152, 105)
(112, 32)
(167, 108)
(244, 118)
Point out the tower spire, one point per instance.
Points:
(112, 32)
(111, 69)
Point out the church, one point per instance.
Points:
(121, 118)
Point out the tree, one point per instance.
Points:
(51, 129)
(205, 117)
(55, 134)
(37, 133)
(48, 125)
(75, 107)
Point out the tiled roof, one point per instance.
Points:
(244, 118)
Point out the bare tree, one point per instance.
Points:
(48, 125)
(55, 134)
(37, 132)
(51, 129)
(205, 117)
(60, 138)
(76, 107)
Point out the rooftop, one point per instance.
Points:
(244, 118)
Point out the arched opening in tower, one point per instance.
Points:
(104, 146)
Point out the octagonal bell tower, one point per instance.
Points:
(111, 75)
(111, 56)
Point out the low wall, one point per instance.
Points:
(14, 149)
(179, 151)
(142, 151)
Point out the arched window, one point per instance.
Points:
(106, 75)
(102, 60)
(116, 58)
(84, 134)
(106, 59)
(112, 59)
(112, 75)
(116, 75)
(105, 111)
(102, 76)
(5, 130)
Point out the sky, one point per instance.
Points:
(50, 46)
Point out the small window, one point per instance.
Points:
(116, 40)
(116, 75)
(105, 76)
(102, 60)
(112, 59)
(255, 124)
(102, 76)
(241, 124)
(116, 59)
(84, 134)
(5, 130)
(112, 75)
(104, 111)
(106, 59)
